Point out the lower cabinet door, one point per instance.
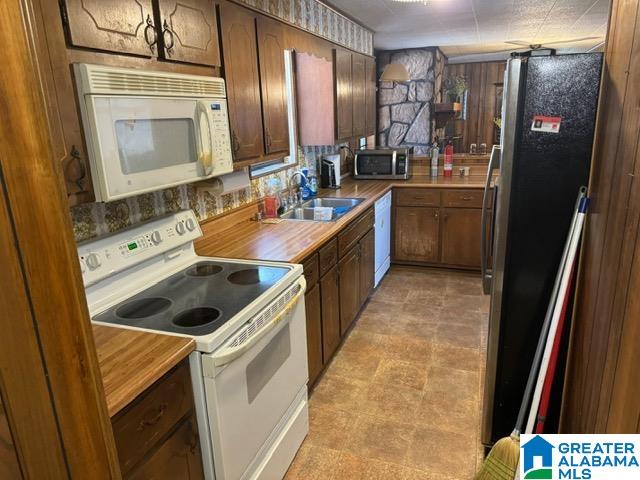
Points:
(349, 270)
(177, 457)
(461, 236)
(416, 234)
(329, 287)
(314, 333)
(367, 266)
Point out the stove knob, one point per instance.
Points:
(93, 261)
(180, 228)
(156, 237)
(191, 225)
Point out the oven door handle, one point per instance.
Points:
(229, 353)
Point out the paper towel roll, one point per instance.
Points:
(231, 182)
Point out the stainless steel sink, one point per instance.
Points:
(305, 211)
(333, 202)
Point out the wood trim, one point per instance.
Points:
(601, 386)
(52, 291)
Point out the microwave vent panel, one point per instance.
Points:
(103, 80)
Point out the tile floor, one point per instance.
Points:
(402, 397)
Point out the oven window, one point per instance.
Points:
(374, 164)
(150, 144)
(264, 366)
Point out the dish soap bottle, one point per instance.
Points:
(305, 189)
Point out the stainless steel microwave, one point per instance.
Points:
(382, 164)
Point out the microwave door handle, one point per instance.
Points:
(205, 156)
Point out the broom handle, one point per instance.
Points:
(544, 364)
(547, 319)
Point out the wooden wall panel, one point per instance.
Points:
(482, 80)
(601, 387)
(47, 349)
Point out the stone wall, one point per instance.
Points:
(405, 109)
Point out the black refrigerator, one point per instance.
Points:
(548, 119)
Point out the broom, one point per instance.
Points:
(502, 461)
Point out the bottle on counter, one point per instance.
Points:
(313, 185)
(435, 152)
(305, 188)
(448, 159)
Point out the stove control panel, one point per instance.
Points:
(106, 256)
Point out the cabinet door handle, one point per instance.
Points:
(436, 215)
(150, 34)
(268, 138)
(168, 46)
(77, 159)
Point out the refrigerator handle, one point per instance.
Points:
(485, 271)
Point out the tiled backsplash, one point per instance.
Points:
(94, 219)
(318, 18)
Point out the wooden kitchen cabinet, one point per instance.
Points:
(122, 26)
(184, 31)
(179, 456)
(349, 272)
(344, 96)
(416, 234)
(330, 297)
(367, 265)
(314, 332)
(358, 93)
(189, 31)
(240, 55)
(157, 435)
(272, 80)
(370, 106)
(461, 236)
(438, 227)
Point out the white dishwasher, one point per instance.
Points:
(383, 237)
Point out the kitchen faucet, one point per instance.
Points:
(289, 183)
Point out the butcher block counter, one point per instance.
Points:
(293, 240)
(131, 361)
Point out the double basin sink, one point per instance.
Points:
(306, 210)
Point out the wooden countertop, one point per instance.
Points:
(131, 361)
(291, 240)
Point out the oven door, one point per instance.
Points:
(251, 385)
(141, 144)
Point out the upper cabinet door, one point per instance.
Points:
(189, 31)
(344, 99)
(122, 26)
(370, 96)
(240, 55)
(274, 91)
(358, 94)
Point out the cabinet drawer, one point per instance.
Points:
(350, 235)
(328, 256)
(417, 197)
(462, 198)
(311, 270)
(152, 415)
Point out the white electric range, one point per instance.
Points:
(249, 371)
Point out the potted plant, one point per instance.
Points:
(454, 88)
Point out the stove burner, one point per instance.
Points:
(204, 270)
(249, 276)
(196, 317)
(143, 307)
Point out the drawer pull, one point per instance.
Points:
(418, 198)
(148, 423)
(467, 198)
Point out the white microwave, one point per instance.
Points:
(147, 131)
